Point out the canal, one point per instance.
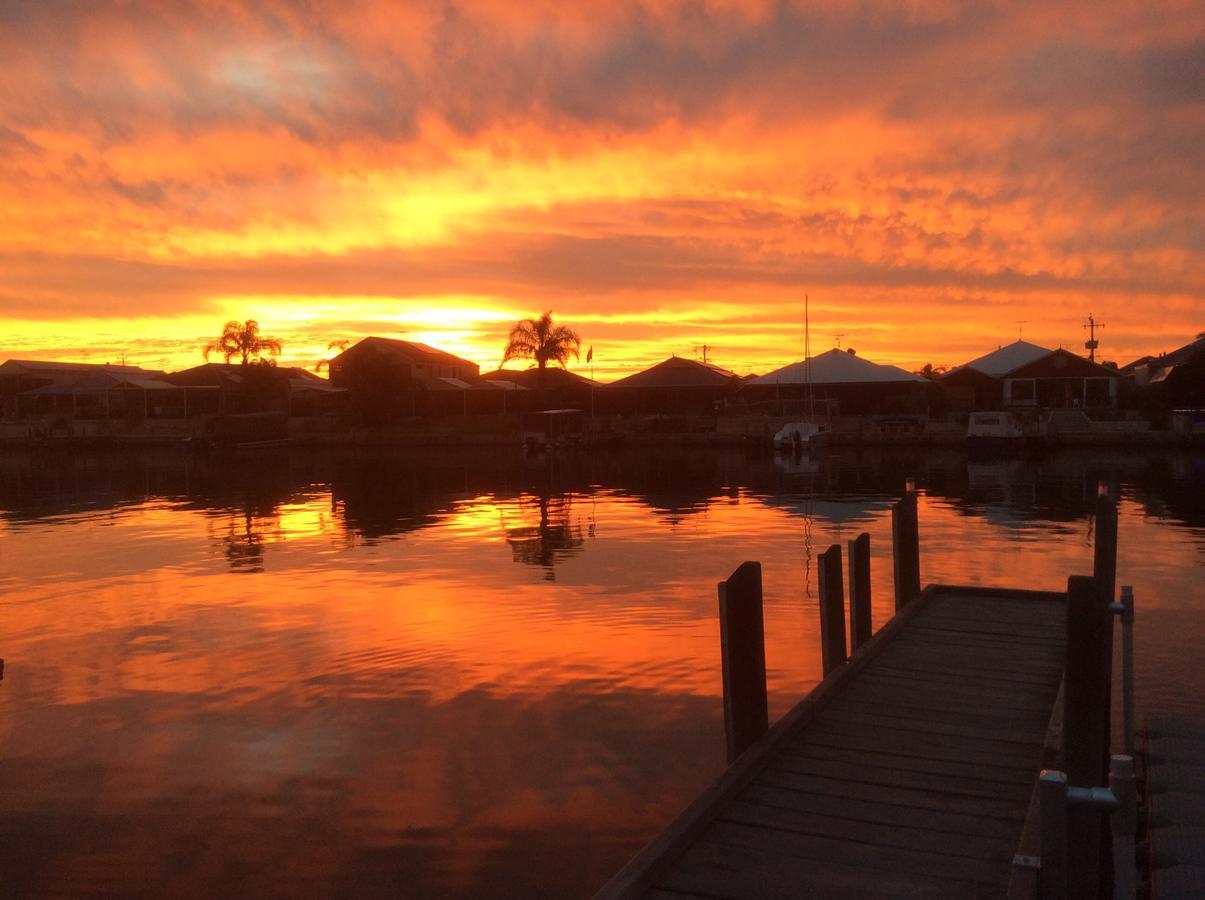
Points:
(393, 673)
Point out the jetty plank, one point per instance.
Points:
(907, 773)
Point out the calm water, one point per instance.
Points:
(463, 674)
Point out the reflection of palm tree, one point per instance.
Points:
(244, 341)
(553, 538)
(543, 341)
(245, 551)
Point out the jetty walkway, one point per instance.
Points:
(924, 763)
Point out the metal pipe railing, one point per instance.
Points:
(1056, 799)
(1124, 609)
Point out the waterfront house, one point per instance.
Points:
(839, 383)
(1022, 376)
(675, 386)
(553, 388)
(387, 378)
(1179, 374)
(44, 399)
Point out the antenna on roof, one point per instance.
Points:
(1092, 343)
(838, 336)
(1021, 323)
(705, 349)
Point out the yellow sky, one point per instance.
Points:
(938, 180)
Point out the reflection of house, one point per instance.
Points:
(841, 383)
(676, 385)
(1023, 375)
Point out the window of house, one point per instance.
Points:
(1096, 392)
(1021, 391)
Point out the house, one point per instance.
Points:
(838, 382)
(1178, 375)
(386, 378)
(1021, 375)
(553, 387)
(83, 400)
(674, 386)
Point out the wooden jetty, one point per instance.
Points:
(926, 763)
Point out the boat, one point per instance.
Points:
(994, 432)
(802, 435)
(797, 436)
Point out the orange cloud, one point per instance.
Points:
(663, 174)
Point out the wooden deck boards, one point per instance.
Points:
(910, 776)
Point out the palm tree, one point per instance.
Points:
(543, 341)
(242, 339)
(339, 345)
(931, 371)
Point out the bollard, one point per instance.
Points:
(1086, 726)
(905, 550)
(832, 609)
(860, 627)
(743, 654)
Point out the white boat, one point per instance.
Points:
(797, 435)
(994, 431)
(802, 435)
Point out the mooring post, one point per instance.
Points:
(1125, 826)
(1052, 808)
(743, 652)
(1104, 557)
(905, 549)
(1086, 724)
(832, 609)
(859, 591)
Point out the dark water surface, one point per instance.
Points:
(394, 674)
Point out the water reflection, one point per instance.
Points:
(553, 538)
(359, 673)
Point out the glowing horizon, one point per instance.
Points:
(660, 176)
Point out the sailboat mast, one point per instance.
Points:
(807, 358)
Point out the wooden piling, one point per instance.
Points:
(1104, 560)
(860, 626)
(1086, 724)
(1104, 573)
(743, 651)
(832, 609)
(905, 550)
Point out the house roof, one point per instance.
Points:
(678, 372)
(95, 382)
(554, 377)
(1004, 359)
(838, 367)
(1177, 357)
(412, 349)
(50, 367)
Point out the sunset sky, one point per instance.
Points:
(659, 175)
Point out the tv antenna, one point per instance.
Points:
(838, 336)
(705, 348)
(1092, 343)
(1021, 323)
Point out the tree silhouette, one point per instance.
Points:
(930, 371)
(543, 341)
(339, 345)
(244, 341)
